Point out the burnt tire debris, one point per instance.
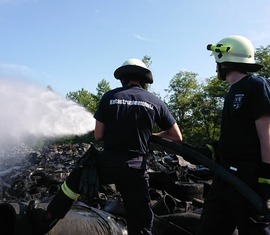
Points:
(177, 190)
(195, 157)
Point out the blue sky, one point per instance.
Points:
(74, 44)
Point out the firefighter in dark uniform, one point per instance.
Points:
(124, 122)
(244, 144)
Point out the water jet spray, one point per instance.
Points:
(31, 111)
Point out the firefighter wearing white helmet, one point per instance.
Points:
(135, 69)
(234, 53)
(125, 119)
(243, 147)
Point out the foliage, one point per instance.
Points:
(182, 93)
(210, 107)
(84, 98)
(262, 56)
(147, 60)
(196, 107)
(87, 99)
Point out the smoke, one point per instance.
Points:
(28, 110)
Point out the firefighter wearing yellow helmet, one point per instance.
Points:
(243, 147)
(234, 53)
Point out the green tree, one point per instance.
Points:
(182, 89)
(102, 87)
(211, 107)
(196, 107)
(147, 60)
(87, 99)
(262, 56)
(84, 98)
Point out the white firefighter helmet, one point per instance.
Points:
(134, 66)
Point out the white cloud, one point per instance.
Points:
(16, 70)
(140, 37)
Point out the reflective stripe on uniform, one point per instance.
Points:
(69, 193)
(264, 181)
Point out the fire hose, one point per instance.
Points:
(193, 156)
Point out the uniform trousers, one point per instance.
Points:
(133, 186)
(225, 209)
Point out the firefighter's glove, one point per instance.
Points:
(41, 220)
(89, 156)
(89, 180)
(264, 189)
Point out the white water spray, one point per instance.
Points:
(28, 110)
